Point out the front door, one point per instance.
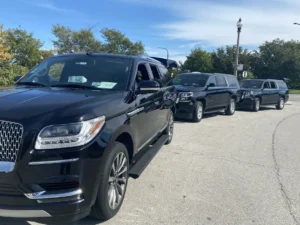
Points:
(212, 95)
(146, 108)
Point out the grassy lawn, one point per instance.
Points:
(292, 91)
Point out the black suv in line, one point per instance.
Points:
(255, 92)
(201, 93)
(75, 128)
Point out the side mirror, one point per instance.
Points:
(17, 78)
(148, 87)
(211, 85)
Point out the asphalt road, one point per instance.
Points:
(238, 170)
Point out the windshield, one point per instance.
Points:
(251, 84)
(190, 80)
(103, 72)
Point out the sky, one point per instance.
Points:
(178, 25)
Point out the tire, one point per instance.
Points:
(104, 209)
(170, 128)
(198, 112)
(256, 105)
(280, 104)
(231, 107)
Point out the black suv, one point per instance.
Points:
(201, 93)
(255, 92)
(75, 128)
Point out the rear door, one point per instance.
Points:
(266, 97)
(274, 93)
(223, 91)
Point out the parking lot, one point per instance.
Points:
(241, 169)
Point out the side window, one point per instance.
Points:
(141, 74)
(273, 85)
(232, 82)
(55, 71)
(266, 85)
(165, 75)
(281, 85)
(221, 82)
(212, 79)
(155, 72)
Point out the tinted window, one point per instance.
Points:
(221, 82)
(198, 80)
(267, 85)
(273, 85)
(165, 75)
(232, 81)
(97, 71)
(252, 84)
(282, 85)
(155, 72)
(212, 80)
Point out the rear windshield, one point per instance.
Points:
(198, 80)
(251, 84)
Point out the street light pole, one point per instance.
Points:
(239, 29)
(167, 55)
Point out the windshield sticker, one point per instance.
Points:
(77, 79)
(105, 85)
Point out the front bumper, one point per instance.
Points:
(185, 110)
(49, 185)
(246, 103)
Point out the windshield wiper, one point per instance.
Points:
(31, 84)
(82, 86)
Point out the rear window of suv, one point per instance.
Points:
(232, 82)
(281, 84)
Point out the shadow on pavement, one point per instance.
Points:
(205, 116)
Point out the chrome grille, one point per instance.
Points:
(10, 140)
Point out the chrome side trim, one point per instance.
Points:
(136, 111)
(23, 213)
(7, 167)
(52, 162)
(49, 195)
(153, 136)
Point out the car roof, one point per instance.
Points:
(146, 58)
(265, 80)
(208, 74)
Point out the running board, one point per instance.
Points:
(137, 169)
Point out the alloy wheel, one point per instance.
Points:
(117, 180)
(200, 112)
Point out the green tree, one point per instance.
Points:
(24, 47)
(68, 40)
(45, 54)
(199, 60)
(117, 42)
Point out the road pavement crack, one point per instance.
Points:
(277, 169)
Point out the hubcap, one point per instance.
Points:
(281, 103)
(117, 181)
(232, 106)
(200, 112)
(257, 105)
(171, 126)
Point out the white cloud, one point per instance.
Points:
(214, 23)
(46, 4)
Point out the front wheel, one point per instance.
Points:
(256, 105)
(280, 104)
(231, 107)
(170, 129)
(198, 112)
(113, 183)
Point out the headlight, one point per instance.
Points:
(186, 94)
(69, 135)
(247, 94)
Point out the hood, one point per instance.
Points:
(56, 105)
(181, 88)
